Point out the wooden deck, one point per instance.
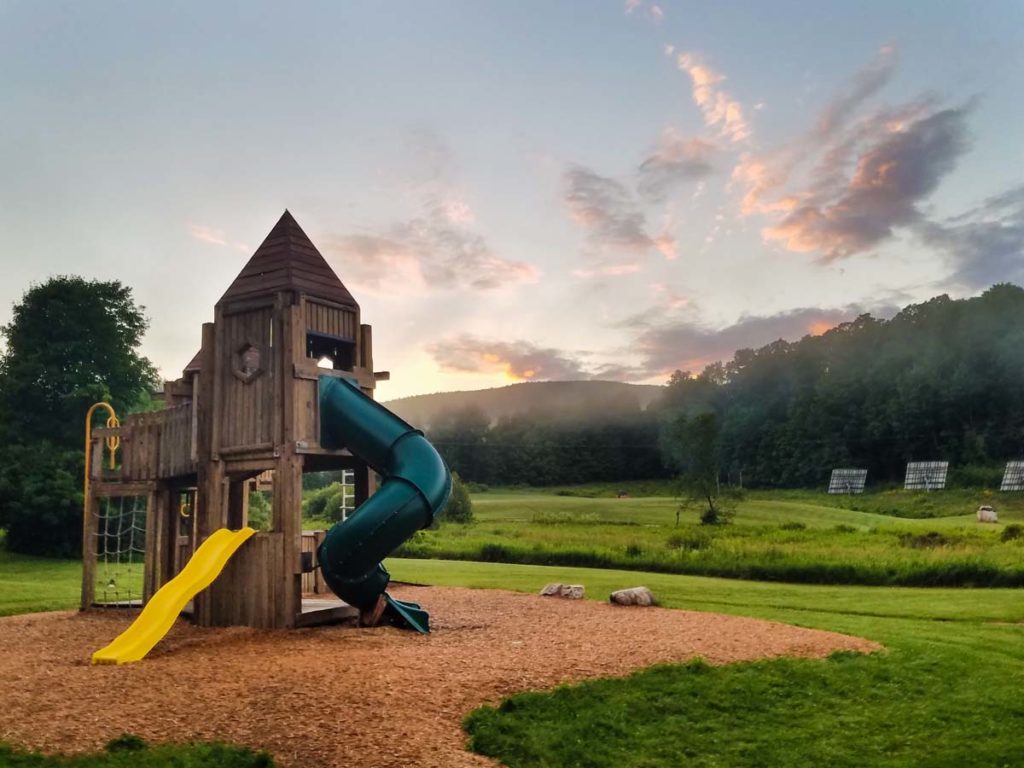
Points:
(317, 610)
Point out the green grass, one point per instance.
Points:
(779, 536)
(132, 752)
(944, 693)
(31, 584)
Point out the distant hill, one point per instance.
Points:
(554, 399)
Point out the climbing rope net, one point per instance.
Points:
(119, 540)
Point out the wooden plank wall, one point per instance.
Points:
(331, 319)
(247, 418)
(249, 592)
(175, 456)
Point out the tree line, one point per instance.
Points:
(941, 380)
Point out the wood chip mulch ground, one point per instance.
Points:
(345, 697)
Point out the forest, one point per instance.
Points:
(941, 380)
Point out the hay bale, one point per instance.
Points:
(987, 514)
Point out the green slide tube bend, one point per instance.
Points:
(415, 489)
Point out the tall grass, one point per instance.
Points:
(777, 537)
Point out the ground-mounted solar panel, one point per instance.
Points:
(847, 481)
(1013, 476)
(926, 475)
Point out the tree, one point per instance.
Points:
(692, 444)
(71, 342)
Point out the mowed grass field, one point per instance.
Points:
(775, 536)
(945, 692)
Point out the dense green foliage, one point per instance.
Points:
(459, 508)
(945, 692)
(777, 536)
(260, 510)
(324, 504)
(939, 381)
(131, 752)
(620, 444)
(71, 343)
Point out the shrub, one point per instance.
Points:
(259, 511)
(327, 503)
(1012, 532)
(793, 525)
(929, 540)
(460, 506)
(844, 528)
(473, 487)
(691, 541)
(975, 476)
(634, 550)
(126, 742)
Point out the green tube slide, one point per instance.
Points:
(415, 488)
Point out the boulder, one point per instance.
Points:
(570, 591)
(633, 596)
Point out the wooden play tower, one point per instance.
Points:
(245, 407)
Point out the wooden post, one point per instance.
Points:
(89, 552)
(319, 587)
(151, 567)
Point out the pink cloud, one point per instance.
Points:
(721, 111)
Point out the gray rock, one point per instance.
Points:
(633, 596)
(570, 591)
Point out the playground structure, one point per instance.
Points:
(281, 386)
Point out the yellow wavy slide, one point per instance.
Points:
(167, 604)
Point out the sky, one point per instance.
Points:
(521, 191)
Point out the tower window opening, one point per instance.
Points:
(330, 352)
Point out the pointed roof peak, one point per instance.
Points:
(288, 260)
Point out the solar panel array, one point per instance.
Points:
(1013, 477)
(847, 481)
(926, 475)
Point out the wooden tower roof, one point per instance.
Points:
(288, 261)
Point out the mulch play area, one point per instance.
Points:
(340, 696)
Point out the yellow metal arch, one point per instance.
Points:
(112, 443)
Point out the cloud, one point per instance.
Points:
(681, 344)
(675, 160)
(863, 85)
(606, 209)
(720, 110)
(207, 234)
(659, 347)
(829, 142)
(434, 249)
(900, 169)
(427, 252)
(655, 11)
(517, 360)
(985, 244)
(215, 237)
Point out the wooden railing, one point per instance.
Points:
(153, 445)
